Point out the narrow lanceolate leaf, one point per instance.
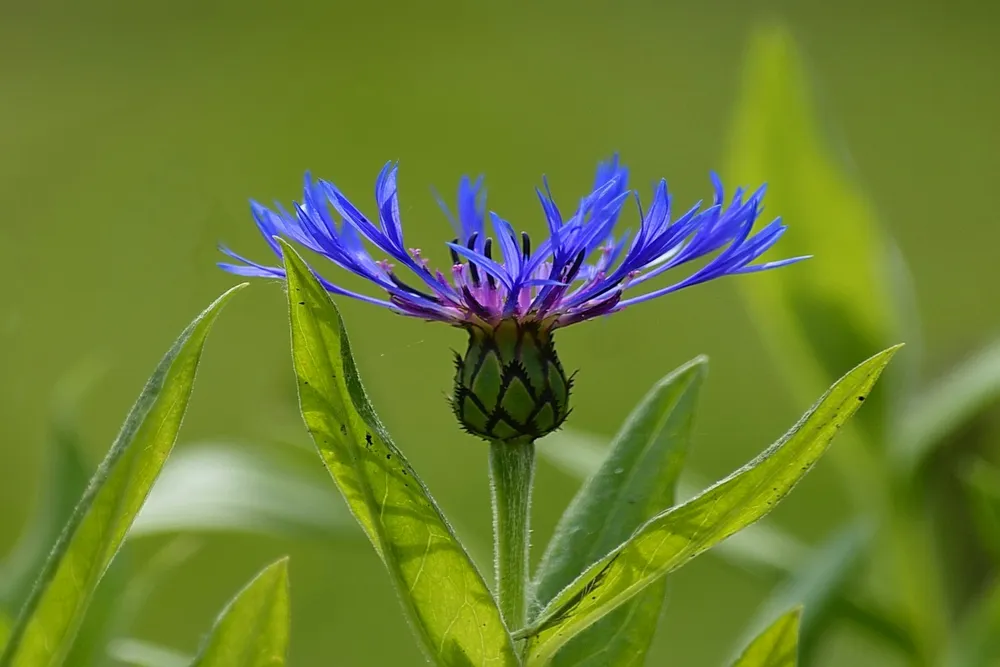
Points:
(819, 317)
(677, 535)
(777, 646)
(450, 606)
(637, 479)
(252, 630)
(44, 633)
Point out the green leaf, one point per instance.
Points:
(139, 653)
(445, 596)
(817, 316)
(4, 629)
(976, 642)
(777, 646)
(252, 631)
(637, 479)
(146, 579)
(104, 613)
(44, 633)
(677, 535)
(66, 480)
(982, 482)
(217, 486)
(818, 583)
(948, 404)
(759, 548)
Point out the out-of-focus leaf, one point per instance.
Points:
(674, 537)
(948, 404)
(65, 481)
(100, 625)
(777, 646)
(139, 653)
(976, 643)
(637, 479)
(132, 600)
(982, 481)
(50, 620)
(225, 487)
(4, 629)
(821, 315)
(759, 548)
(817, 584)
(121, 597)
(445, 596)
(252, 630)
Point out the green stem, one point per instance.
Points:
(512, 470)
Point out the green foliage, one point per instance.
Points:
(819, 317)
(758, 548)
(677, 535)
(252, 631)
(229, 487)
(818, 583)
(140, 653)
(976, 642)
(948, 404)
(637, 479)
(776, 646)
(65, 481)
(50, 620)
(822, 312)
(982, 481)
(445, 596)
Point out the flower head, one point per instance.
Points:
(511, 294)
(582, 270)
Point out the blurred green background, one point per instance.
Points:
(132, 135)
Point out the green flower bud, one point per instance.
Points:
(510, 384)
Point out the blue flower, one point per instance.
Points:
(584, 268)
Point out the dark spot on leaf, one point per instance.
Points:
(343, 429)
(302, 303)
(368, 439)
(388, 456)
(861, 398)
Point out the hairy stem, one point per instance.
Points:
(512, 470)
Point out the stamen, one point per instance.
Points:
(420, 259)
(525, 245)
(488, 249)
